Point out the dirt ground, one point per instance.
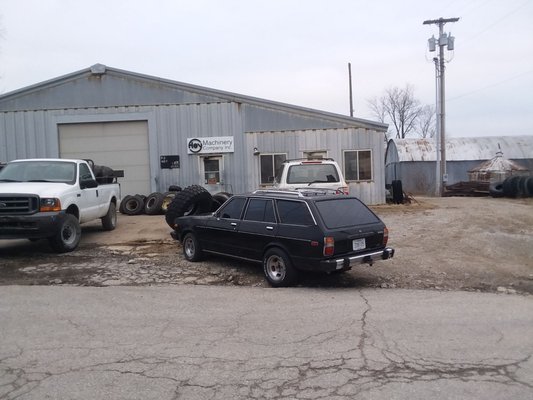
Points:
(455, 243)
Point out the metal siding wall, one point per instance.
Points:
(293, 143)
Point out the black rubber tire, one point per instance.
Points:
(496, 189)
(530, 186)
(219, 199)
(167, 199)
(153, 202)
(68, 236)
(103, 174)
(174, 188)
(109, 221)
(278, 269)
(192, 251)
(522, 187)
(510, 186)
(133, 205)
(122, 202)
(191, 200)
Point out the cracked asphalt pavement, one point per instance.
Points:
(228, 342)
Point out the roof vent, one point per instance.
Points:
(98, 69)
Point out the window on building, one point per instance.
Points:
(358, 165)
(270, 163)
(211, 171)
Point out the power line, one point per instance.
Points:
(491, 85)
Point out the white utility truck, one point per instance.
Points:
(50, 198)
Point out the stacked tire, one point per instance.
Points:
(513, 186)
(154, 204)
(193, 200)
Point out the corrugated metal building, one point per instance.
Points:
(413, 160)
(162, 133)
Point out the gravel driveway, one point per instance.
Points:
(455, 243)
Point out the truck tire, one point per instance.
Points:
(153, 202)
(68, 236)
(103, 174)
(109, 221)
(191, 200)
(174, 188)
(134, 205)
(496, 189)
(219, 199)
(167, 199)
(530, 186)
(122, 202)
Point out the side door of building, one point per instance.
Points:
(258, 228)
(220, 234)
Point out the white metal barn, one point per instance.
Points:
(162, 133)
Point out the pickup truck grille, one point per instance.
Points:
(12, 204)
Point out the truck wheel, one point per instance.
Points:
(68, 236)
(278, 268)
(109, 221)
(191, 248)
(133, 205)
(152, 204)
(191, 200)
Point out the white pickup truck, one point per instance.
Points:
(50, 198)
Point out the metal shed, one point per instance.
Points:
(413, 160)
(163, 132)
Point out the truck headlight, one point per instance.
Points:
(50, 204)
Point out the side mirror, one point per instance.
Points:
(88, 183)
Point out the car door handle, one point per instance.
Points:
(233, 224)
(270, 228)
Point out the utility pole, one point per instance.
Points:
(350, 83)
(444, 40)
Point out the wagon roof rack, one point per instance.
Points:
(310, 159)
(299, 192)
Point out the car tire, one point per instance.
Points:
(133, 205)
(109, 221)
(68, 236)
(153, 202)
(192, 250)
(191, 200)
(278, 268)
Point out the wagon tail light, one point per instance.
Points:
(385, 236)
(329, 246)
(49, 204)
(343, 190)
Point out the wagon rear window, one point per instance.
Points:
(342, 212)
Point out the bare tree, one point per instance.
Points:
(426, 122)
(400, 107)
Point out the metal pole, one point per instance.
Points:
(350, 82)
(442, 126)
(437, 133)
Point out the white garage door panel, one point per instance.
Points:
(119, 145)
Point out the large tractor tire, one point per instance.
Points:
(191, 200)
(153, 203)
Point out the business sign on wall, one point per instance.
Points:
(207, 145)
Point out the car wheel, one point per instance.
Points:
(191, 248)
(152, 204)
(68, 236)
(109, 221)
(191, 200)
(278, 268)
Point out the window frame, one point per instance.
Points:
(272, 155)
(358, 151)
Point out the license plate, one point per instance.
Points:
(359, 244)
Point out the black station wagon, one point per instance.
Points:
(288, 232)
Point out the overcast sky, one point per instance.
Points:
(293, 51)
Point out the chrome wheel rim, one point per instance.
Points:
(275, 268)
(189, 248)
